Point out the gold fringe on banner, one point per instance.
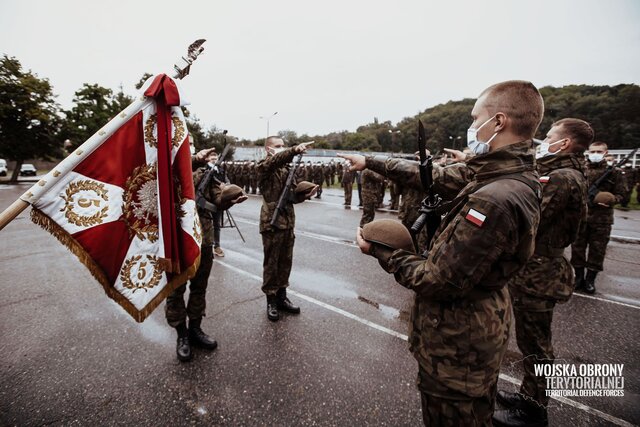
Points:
(44, 221)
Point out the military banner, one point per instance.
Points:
(127, 210)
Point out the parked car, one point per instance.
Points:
(3, 167)
(28, 169)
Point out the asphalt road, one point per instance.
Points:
(70, 356)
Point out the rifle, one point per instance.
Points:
(430, 204)
(201, 202)
(593, 189)
(225, 151)
(284, 196)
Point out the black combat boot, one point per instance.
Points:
(579, 284)
(531, 415)
(198, 338)
(510, 400)
(272, 308)
(590, 282)
(284, 304)
(183, 349)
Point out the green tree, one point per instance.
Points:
(94, 107)
(29, 119)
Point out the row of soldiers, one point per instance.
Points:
(244, 174)
(498, 255)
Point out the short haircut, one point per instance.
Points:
(521, 101)
(599, 143)
(578, 130)
(270, 140)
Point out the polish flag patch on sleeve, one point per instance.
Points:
(476, 217)
(544, 179)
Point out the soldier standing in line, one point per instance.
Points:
(339, 172)
(318, 178)
(394, 193)
(326, 173)
(277, 241)
(218, 196)
(246, 173)
(629, 180)
(547, 278)
(333, 171)
(462, 312)
(347, 185)
(596, 230)
(371, 185)
(253, 177)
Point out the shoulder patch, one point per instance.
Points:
(476, 217)
(544, 179)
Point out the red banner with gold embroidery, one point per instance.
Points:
(127, 211)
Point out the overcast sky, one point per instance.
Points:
(323, 65)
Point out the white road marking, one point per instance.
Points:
(612, 419)
(575, 294)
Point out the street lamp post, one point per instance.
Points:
(267, 119)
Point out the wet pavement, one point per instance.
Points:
(70, 356)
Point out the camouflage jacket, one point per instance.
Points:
(318, 173)
(348, 176)
(548, 273)
(447, 180)
(462, 312)
(210, 195)
(614, 184)
(371, 185)
(272, 176)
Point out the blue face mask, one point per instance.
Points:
(476, 146)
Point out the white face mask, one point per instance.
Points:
(476, 146)
(596, 157)
(543, 149)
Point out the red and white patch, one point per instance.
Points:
(544, 179)
(476, 217)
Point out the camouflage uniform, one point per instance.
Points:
(318, 178)
(371, 183)
(462, 311)
(347, 184)
(339, 172)
(628, 177)
(277, 242)
(596, 230)
(175, 310)
(548, 278)
(246, 177)
(394, 192)
(328, 173)
(253, 177)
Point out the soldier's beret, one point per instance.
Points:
(388, 232)
(304, 187)
(605, 197)
(229, 192)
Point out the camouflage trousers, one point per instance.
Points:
(175, 310)
(348, 191)
(368, 211)
(319, 184)
(595, 237)
(278, 257)
(444, 412)
(533, 334)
